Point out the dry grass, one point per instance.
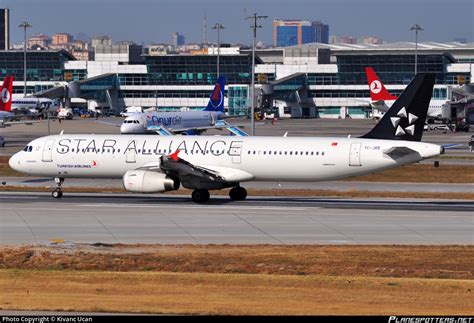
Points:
(233, 279)
(423, 173)
(454, 262)
(202, 293)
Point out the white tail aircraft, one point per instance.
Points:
(151, 164)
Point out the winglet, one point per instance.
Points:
(174, 156)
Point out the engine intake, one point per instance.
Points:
(144, 181)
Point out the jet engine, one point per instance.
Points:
(144, 181)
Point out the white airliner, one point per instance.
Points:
(187, 122)
(6, 105)
(19, 103)
(383, 100)
(151, 164)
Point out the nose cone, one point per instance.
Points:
(14, 162)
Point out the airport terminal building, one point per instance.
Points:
(312, 80)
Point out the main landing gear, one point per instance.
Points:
(200, 196)
(236, 194)
(58, 193)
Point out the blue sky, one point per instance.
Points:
(153, 21)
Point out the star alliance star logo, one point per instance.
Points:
(410, 129)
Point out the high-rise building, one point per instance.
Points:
(321, 32)
(178, 39)
(4, 29)
(298, 32)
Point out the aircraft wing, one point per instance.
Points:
(176, 166)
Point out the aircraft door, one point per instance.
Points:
(354, 155)
(130, 154)
(235, 151)
(48, 151)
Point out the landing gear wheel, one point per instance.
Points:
(238, 194)
(200, 196)
(57, 194)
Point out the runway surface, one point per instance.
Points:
(35, 218)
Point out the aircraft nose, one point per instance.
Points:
(14, 162)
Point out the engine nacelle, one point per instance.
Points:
(144, 181)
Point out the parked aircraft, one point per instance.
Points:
(152, 164)
(382, 99)
(186, 122)
(6, 104)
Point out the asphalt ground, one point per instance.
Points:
(34, 218)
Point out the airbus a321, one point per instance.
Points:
(152, 164)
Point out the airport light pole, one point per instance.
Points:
(416, 28)
(218, 27)
(24, 25)
(254, 19)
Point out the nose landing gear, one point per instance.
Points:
(58, 193)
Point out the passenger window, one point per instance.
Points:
(322, 154)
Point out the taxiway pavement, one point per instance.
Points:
(35, 218)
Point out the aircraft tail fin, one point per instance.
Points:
(378, 92)
(216, 100)
(405, 120)
(6, 93)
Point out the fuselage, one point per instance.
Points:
(140, 123)
(434, 109)
(266, 158)
(27, 103)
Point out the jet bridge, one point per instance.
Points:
(102, 88)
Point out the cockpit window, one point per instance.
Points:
(28, 148)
